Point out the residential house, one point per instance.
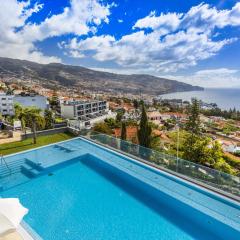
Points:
(84, 114)
(32, 100)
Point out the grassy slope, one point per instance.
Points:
(14, 147)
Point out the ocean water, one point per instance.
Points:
(225, 98)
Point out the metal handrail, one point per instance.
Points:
(3, 161)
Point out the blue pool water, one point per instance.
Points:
(82, 191)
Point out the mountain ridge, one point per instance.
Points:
(58, 74)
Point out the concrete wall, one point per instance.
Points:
(78, 124)
(46, 132)
(67, 111)
(102, 118)
(73, 131)
(60, 125)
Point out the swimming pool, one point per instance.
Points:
(80, 190)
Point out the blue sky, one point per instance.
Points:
(197, 42)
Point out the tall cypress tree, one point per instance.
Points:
(194, 145)
(194, 123)
(145, 130)
(123, 131)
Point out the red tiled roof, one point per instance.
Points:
(131, 132)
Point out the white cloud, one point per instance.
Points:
(80, 18)
(89, 44)
(205, 18)
(120, 20)
(201, 18)
(214, 72)
(13, 15)
(211, 78)
(17, 36)
(208, 78)
(167, 22)
(176, 41)
(117, 70)
(140, 50)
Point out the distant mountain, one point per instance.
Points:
(50, 75)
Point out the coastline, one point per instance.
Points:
(225, 98)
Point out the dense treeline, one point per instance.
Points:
(228, 114)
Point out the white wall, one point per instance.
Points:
(102, 118)
(67, 111)
(81, 124)
(32, 101)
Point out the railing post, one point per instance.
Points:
(4, 161)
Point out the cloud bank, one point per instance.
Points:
(18, 36)
(164, 43)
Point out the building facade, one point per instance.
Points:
(82, 110)
(6, 104)
(37, 101)
(84, 114)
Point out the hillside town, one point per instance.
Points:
(106, 113)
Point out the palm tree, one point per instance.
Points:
(20, 114)
(31, 117)
(48, 116)
(35, 120)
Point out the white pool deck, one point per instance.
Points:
(20, 234)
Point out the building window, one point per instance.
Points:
(80, 107)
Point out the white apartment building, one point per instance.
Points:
(37, 101)
(82, 110)
(6, 104)
(83, 114)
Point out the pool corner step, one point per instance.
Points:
(30, 171)
(34, 165)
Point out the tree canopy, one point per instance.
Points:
(199, 148)
(30, 117)
(123, 131)
(145, 130)
(193, 124)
